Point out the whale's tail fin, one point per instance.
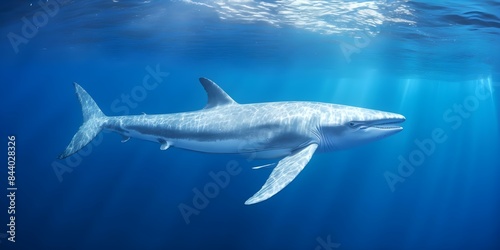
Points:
(93, 120)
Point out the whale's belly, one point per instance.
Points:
(233, 146)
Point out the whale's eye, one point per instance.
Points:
(355, 124)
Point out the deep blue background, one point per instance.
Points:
(421, 64)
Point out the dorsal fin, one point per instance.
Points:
(216, 96)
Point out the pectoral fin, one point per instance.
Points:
(165, 145)
(263, 166)
(125, 138)
(288, 168)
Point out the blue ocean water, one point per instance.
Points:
(435, 185)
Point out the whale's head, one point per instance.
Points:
(346, 126)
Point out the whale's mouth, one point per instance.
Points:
(387, 124)
(388, 127)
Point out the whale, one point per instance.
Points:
(290, 132)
